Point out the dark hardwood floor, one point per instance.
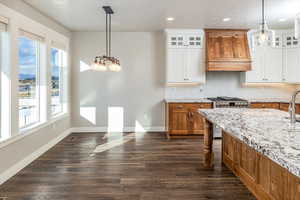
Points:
(148, 167)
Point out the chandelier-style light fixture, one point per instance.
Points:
(264, 34)
(107, 62)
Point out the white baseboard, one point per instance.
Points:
(26, 161)
(125, 129)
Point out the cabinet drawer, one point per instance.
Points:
(195, 107)
(265, 105)
(178, 107)
(284, 107)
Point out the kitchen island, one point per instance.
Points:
(260, 146)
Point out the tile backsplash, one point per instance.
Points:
(229, 84)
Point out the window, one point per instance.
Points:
(4, 80)
(29, 90)
(58, 58)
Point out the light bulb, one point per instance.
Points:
(115, 67)
(98, 67)
(262, 37)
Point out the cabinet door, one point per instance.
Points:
(278, 177)
(195, 66)
(256, 75)
(195, 41)
(273, 65)
(292, 65)
(196, 121)
(294, 187)
(176, 65)
(178, 119)
(176, 41)
(265, 105)
(248, 162)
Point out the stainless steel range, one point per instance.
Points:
(227, 102)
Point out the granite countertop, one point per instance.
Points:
(251, 100)
(271, 100)
(199, 100)
(268, 131)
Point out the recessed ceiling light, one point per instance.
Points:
(170, 19)
(282, 20)
(227, 19)
(60, 2)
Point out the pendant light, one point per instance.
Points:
(264, 34)
(107, 62)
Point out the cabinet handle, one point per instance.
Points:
(179, 107)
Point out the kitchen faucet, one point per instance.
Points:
(292, 108)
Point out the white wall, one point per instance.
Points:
(138, 88)
(24, 145)
(230, 84)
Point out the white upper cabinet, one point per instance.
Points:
(291, 65)
(273, 65)
(276, 62)
(291, 58)
(185, 56)
(176, 59)
(256, 75)
(266, 61)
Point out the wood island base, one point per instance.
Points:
(263, 177)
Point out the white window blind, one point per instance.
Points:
(31, 36)
(3, 24)
(59, 45)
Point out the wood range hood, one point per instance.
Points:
(227, 50)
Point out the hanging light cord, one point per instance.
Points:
(109, 35)
(263, 16)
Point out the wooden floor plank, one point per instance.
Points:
(148, 167)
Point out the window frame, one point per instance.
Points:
(62, 57)
(38, 84)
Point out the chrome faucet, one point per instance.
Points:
(292, 108)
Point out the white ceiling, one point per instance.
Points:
(150, 15)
